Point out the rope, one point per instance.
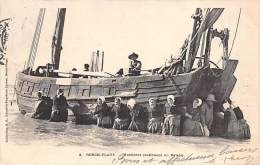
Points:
(193, 38)
(238, 20)
(235, 33)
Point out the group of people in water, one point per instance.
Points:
(172, 118)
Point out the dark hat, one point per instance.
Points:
(86, 65)
(211, 97)
(131, 56)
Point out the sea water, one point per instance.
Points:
(65, 141)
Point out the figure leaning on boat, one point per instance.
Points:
(42, 109)
(59, 108)
(235, 126)
(103, 113)
(192, 125)
(138, 116)
(172, 114)
(155, 116)
(198, 118)
(121, 115)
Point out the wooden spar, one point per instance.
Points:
(85, 73)
(97, 62)
(208, 46)
(190, 54)
(225, 47)
(91, 68)
(211, 17)
(102, 61)
(224, 37)
(57, 37)
(202, 50)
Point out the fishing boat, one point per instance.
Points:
(187, 77)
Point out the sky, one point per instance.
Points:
(153, 29)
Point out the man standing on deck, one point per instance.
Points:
(86, 69)
(135, 65)
(59, 108)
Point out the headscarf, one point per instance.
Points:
(102, 98)
(196, 103)
(170, 97)
(226, 105)
(118, 98)
(131, 102)
(152, 99)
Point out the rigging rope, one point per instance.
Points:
(235, 33)
(238, 20)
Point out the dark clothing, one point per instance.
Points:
(238, 113)
(75, 75)
(138, 113)
(43, 108)
(197, 114)
(172, 110)
(121, 112)
(207, 115)
(135, 68)
(59, 109)
(193, 127)
(156, 112)
(171, 125)
(102, 110)
(237, 129)
(104, 118)
(82, 114)
(155, 116)
(37, 71)
(86, 70)
(139, 119)
(122, 117)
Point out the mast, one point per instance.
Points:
(196, 25)
(200, 26)
(57, 37)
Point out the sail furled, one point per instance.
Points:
(211, 17)
(96, 61)
(36, 38)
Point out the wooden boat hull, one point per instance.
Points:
(186, 86)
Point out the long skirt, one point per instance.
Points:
(104, 122)
(42, 111)
(59, 115)
(238, 130)
(192, 128)
(139, 126)
(171, 125)
(155, 125)
(121, 124)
